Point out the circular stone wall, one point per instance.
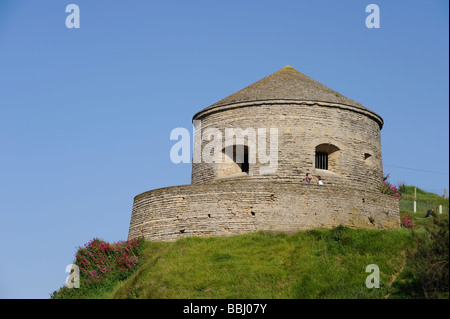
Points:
(240, 206)
(349, 136)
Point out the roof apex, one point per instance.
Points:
(287, 84)
(288, 67)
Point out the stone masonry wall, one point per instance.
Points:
(302, 126)
(240, 206)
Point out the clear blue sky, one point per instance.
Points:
(86, 114)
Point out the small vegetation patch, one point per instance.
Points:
(102, 265)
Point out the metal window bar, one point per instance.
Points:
(322, 160)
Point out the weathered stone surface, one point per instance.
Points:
(301, 128)
(242, 206)
(309, 118)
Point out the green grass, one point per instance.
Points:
(423, 197)
(424, 202)
(311, 264)
(320, 263)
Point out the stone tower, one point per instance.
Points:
(263, 140)
(319, 131)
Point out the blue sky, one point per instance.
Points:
(86, 114)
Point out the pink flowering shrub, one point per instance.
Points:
(406, 222)
(99, 260)
(387, 188)
(101, 264)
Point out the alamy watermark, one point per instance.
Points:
(212, 145)
(73, 280)
(373, 280)
(73, 19)
(373, 19)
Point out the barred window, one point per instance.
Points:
(322, 160)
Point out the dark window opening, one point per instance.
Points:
(322, 160)
(235, 160)
(240, 157)
(245, 165)
(327, 157)
(367, 158)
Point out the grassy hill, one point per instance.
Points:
(407, 193)
(322, 263)
(424, 201)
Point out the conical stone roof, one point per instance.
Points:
(290, 85)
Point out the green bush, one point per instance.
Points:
(431, 259)
(426, 274)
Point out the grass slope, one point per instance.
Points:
(321, 263)
(310, 264)
(423, 196)
(424, 201)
